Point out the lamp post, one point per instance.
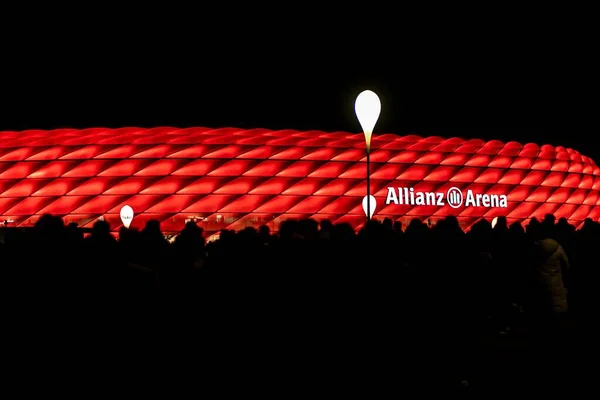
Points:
(367, 108)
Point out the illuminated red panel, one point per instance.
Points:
(478, 160)
(520, 193)
(24, 188)
(161, 168)
(522, 163)
(554, 179)
(273, 186)
(447, 146)
(6, 204)
(357, 171)
(433, 158)
(52, 170)
(322, 154)
(226, 152)
(340, 205)
(534, 178)
(94, 186)
(88, 169)
(298, 169)
(587, 182)
(466, 175)
(576, 167)
(204, 185)
(529, 153)
(64, 205)
(425, 186)
(198, 168)
(279, 204)
(589, 169)
(501, 162)
(350, 155)
(396, 145)
(329, 170)
(50, 154)
(378, 156)
(129, 186)
(310, 205)
(168, 185)
(388, 171)
(292, 153)
(244, 204)
(173, 204)
(305, 187)
(233, 168)
(335, 188)
(565, 211)
(490, 148)
(572, 181)
(421, 145)
(139, 203)
(415, 173)
(540, 194)
(191, 152)
(361, 188)
(160, 151)
(406, 157)
(458, 159)
(561, 195)
(441, 174)
(523, 210)
(20, 170)
(260, 153)
(513, 177)
(121, 152)
(57, 187)
(29, 205)
(267, 168)
(84, 153)
(581, 213)
(6, 184)
(209, 204)
(542, 164)
(19, 154)
(510, 149)
(578, 196)
(99, 205)
(241, 185)
(491, 175)
(124, 168)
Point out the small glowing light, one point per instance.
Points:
(367, 108)
(369, 204)
(126, 216)
(494, 222)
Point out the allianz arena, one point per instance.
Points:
(234, 178)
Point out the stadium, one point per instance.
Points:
(234, 178)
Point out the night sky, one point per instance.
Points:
(436, 95)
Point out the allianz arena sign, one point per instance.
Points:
(453, 197)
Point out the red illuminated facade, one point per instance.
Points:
(234, 178)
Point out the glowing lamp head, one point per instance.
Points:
(369, 204)
(126, 216)
(367, 108)
(494, 222)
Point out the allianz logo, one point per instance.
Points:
(454, 197)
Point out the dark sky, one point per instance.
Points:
(441, 94)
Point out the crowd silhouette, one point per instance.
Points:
(315, 300)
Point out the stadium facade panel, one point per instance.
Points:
(233, 178)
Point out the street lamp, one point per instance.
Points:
(367, 108)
